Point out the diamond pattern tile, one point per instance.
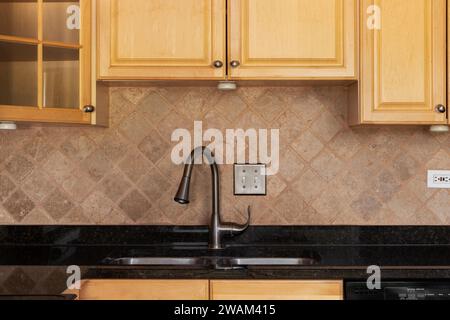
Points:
(307, 146)
(287, 123)
(58, 167)
(309, 185)
(115, 185)
(97, 165)
(77, 147)
(135, 205)
(134, 128)
(78, 185)
(230, 106)
(154, 147)
(6, 187)
(270, 105)
(404, 166)
(305, 104)
(291, 166)
(38, 147)
(19, 167)
(404, 202)
(19, 205)
(385, 185)
(37, 185)
(57, 205)
(114, 146)
(154, 107)
(154, 184)
(327, 165)
(326, 127)
(39, 217)
(329, 173)
(366, 206)
(195, 103)
(440, 205)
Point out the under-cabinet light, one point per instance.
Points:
(227, 85)
(439, 129)
(7, 125)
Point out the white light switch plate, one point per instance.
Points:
(439, 179)
(250, 179)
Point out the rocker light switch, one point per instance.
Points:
(250, 179)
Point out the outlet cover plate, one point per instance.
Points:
(250, 180)
(439, 179)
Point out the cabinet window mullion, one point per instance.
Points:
(40, 61)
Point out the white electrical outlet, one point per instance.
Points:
(250, 179)
(439, 179)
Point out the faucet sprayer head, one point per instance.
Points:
(182, 196)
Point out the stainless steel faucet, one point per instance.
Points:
(217, 229)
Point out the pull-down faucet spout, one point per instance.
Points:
(217, 229)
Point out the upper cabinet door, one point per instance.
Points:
(45, 61)
(403, 61)
(161, 39)
(292, 39)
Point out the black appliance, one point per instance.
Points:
(399, 290)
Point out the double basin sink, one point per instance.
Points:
(213, 262)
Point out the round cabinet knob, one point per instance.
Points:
(89, 109)
(218, 64)
(235, 64)
(440, 108)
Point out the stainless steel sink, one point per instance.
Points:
(160, 261)
(272, 261)
(217, 262)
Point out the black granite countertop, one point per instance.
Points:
(35, 259)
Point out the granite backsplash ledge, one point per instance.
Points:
(329, 174)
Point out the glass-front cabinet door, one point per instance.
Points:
(45, 61)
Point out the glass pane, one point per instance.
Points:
(18, 18)
(18, 74)
(62, 21)
(61, 78)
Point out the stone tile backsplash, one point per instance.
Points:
(329, 173)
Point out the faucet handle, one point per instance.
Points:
(236, 229)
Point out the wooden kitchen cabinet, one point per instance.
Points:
(276, 290)
(45, 61)
(292, 39)
(403, 64)
(186, 39)
(161, 39)
(143, 290)
(209, 290)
